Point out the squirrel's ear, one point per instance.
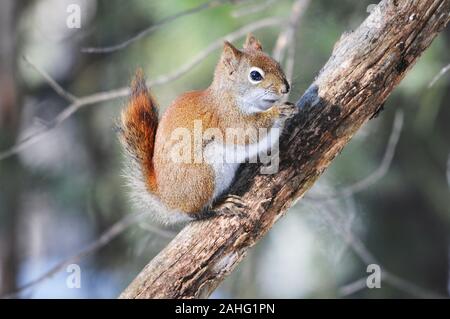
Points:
(251, 43)
(230, 56)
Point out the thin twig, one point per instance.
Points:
(252, 9)
(290, 62)
(61, 117)
(268, 22)
(393, 280)
(115, 230)
(353, 287)
(375, 176)
(441, 73)
(363, 253)
(286, 37)
(124, 91)
(154, 27)
(53, 84)
(409, 287)
(346, 233)
(157, 231)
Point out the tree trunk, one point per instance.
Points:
(352, 87)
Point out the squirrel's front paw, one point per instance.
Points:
(287, 110)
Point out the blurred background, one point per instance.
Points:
(384, 200)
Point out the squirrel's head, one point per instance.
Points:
(254, 78)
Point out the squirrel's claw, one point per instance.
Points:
(231, 206)
(287, 110)
(235, 200)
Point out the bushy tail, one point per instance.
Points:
(137, 130)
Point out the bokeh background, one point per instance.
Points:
(60, 193)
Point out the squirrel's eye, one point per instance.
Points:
(256, 75)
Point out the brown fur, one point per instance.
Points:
(139, 121)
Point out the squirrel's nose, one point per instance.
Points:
(285, 88)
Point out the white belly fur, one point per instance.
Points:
(216, 154)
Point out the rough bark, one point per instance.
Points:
(364, 68)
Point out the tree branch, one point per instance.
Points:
(53, 84)
(252, 9)
(286, 37)
(286, 40)
(110, 234)
(441, 73)
(108, 49)
(363, 253)
(365, 67)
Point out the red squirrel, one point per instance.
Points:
(245, 94)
